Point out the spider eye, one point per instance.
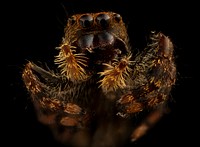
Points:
(103, 20)
(86, 21)
(117, 17)
(71, 20)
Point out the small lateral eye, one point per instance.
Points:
(103, 20)
(86, 21)
(71, 20)
(117, 17)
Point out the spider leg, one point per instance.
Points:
(53, 105)
(148, 122)
(154, 74)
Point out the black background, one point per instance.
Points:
(35, 28)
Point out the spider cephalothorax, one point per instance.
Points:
(102, 84)
(93, 43)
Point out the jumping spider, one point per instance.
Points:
(102, 84)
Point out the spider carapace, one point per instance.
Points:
(103, 85)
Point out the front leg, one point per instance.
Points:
(149, 122)
(153, 76)
(54, 104)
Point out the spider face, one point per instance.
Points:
(102, 85)
(91, 41)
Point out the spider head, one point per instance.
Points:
(101, 37)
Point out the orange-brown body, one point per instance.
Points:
(103, 84)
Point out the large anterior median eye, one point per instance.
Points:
(86, 21)
(103, 20)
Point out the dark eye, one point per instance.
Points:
(86, 21)
(103, 20)
(71, 20)
(117, 17)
